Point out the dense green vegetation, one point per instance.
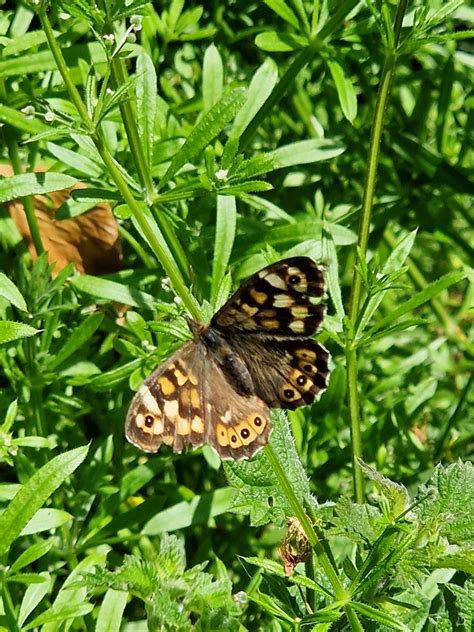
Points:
(227, 136)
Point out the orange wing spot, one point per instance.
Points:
(183, 426)
(270, 323)
(234, 439)
(192, 378)
(246, 433)
(222, 436)
(167, 439)
(166, 385)
(258, 297)
(305, 354)
(195, 400)
(248, 309)
(268, 313)
(185, 397)
(257, 422)
(181, 378)
(300, 380)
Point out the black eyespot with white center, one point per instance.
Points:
(294, 279)
(301, 380)
(245, 433)
(289, 393)
(149, 421)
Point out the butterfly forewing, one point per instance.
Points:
(276, 301)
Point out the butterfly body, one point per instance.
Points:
(256, 354)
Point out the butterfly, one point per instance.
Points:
(255, 355)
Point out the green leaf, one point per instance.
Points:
(210, 125)
(112, 291)
(11, 293)
(76, 160)
(261, 86)
(146, 103)
(226, 222)
(77, 339)
(396, 494)
(31, 554)
(280, 42)
(15, 187)
(419, 299)
(259, 492)
(32, 597)
(196, 511)
(448, 509)
(111, 611)
(10, 331)
(72, 596)
(35, 492)
(345, 90)
(212, 77)
(281, 8)
(46, 519)
(376, 614)
(59, 615)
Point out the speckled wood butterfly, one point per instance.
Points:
(255, 355)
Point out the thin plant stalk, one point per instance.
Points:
(340, 594)
(146, 224)
(363, 241)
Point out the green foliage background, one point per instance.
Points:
(227, 136)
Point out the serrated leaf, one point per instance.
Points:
(14, 187)
(210, 125)
(396, 494)
(259, 492)
(449, 506)
(10, 331)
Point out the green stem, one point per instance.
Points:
(340, 594)
(454, 417)
(9, 609)
(363, 241)
(145, 222)
(305, 523)
(27, 201)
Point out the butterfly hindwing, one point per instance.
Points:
(276, 300)
(239, 425)
(285, 373)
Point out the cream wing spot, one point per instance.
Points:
(282, 300)
(297, 326)
(148, 400)
(171, 408)
(140, 420)
(197, 425)
(158, 427)
(181, 378)
(275, 280)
